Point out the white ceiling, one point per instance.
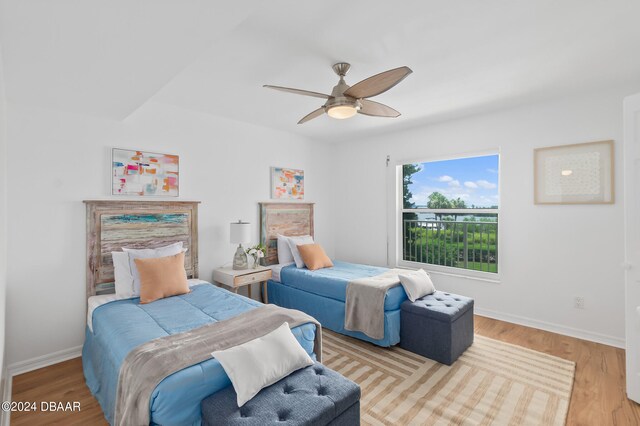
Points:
(110, 58)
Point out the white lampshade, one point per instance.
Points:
(240, 232)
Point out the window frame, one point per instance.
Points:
(398, 205)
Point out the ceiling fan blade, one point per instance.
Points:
(312, 115)
(298, 91)
(378, 83)
(376, 109)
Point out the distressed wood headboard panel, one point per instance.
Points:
(113, 224)
(288, 219)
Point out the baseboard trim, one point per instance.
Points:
(554, 328)
(43, 361)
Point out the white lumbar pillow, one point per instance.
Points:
(122, 274)
(294, 242)
(170, 250)
(416, 284)
(261, 362)
(284, 251)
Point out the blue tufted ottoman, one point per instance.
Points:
(438, 326)
(314, 395)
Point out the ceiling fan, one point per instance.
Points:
(346, 101)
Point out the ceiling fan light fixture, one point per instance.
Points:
(346, 101)
(341, 112)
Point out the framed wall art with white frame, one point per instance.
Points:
(575, 174)
(287, 184)
(144, 173)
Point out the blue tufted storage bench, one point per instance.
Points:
(314, 395)
(438, 326)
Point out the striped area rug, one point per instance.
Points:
(491, 383)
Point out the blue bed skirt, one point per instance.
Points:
(330, 312)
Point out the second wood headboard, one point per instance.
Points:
(288, 219)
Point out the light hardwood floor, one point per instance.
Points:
(598, 396)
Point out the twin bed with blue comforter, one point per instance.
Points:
(321, 293)
(120, 326)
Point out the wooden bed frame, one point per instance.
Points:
(290, 219)
(113, 224)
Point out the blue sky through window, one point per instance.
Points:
(473, 179)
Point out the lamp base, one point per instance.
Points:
(240, 259)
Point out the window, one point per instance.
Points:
(449, 214)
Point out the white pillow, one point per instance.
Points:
(122, 274)
(294, 242)
(170, 250)
(261, 362)
(284, 251)
(416, 284)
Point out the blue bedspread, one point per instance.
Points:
(120, 326)
(332, 282)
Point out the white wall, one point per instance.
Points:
(548, 254)
(59, 159)
(3, 215)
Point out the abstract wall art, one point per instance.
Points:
(144, 173)
(287, 184)
(574, 174)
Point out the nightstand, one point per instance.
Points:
(235, 279)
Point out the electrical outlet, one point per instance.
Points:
(578, 302)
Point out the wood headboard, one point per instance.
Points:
(113, 224)
(288, 219)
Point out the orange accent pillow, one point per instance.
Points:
(314, 256)
(162, 277)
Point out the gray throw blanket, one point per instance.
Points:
(148, 364)
(364, 305)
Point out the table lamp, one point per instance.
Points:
(240, 233)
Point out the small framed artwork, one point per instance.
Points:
(144, 173)
(574, 174)
(287, 184)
